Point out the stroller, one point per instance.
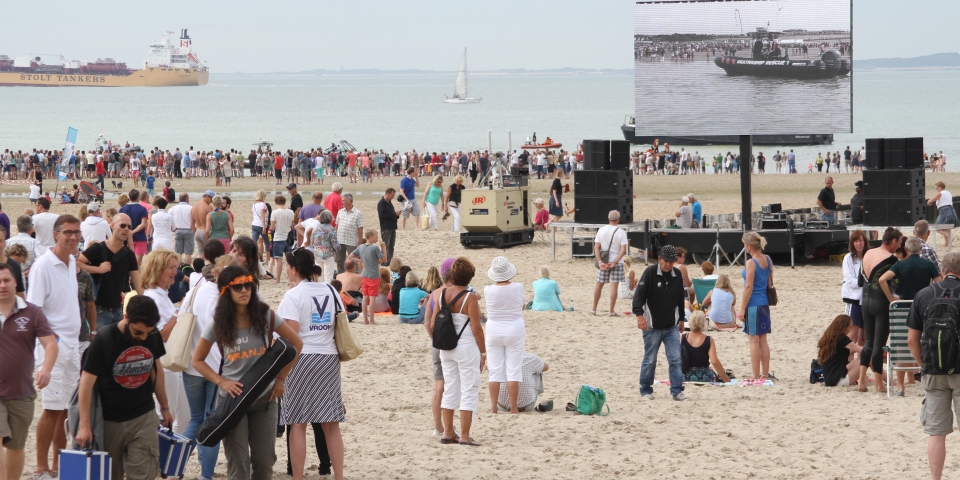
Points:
(89, 193)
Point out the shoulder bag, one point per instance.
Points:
(605, 253)
(347, 347)
(179, 354)
(771, 290)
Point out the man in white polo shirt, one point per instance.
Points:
(53, 278)
(43, 222)
(183, 232)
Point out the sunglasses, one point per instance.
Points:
(241, 287)
(124, 226)
(139, 333)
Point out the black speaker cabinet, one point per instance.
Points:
(613, 183)
(893, 212)
(596, 154)
(595, 209)
(894, 183)
(874, 153)
(619, 155)
(913, 152)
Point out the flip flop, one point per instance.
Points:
(614, 314)
(450, 441)
(571, 407)
(471, 443)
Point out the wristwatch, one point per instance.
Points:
(483, 354)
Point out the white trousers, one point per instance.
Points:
(505, 357)
(328, 266)
(461, 375)
(176, 400)
(432, 210)
(455, 211)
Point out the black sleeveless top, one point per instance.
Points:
(871, 286)
(455, 193)
(697, 357)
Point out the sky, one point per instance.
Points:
(282, 35)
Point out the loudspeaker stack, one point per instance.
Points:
(894, 183)
(605, 183)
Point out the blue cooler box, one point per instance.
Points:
(84, 465)
(175, 450)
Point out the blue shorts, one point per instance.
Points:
(277, 249)
(757, 321)
(257, 232)
(855, 313)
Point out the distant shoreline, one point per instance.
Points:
(431, 73)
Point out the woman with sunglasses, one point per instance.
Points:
(310, 308)
(157, 273)
(241, 326)
(199, 390)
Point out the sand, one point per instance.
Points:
(788, 431)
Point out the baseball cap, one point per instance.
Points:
(668, 253)
(859, 184)
(292, 185)
(209, 193)
(93, 207)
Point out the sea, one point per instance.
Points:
(408, 112)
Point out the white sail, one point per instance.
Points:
(461, 89)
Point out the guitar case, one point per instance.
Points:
(255, 382)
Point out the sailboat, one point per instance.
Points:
(460, 91)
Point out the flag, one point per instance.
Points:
(68, 150)
(61, 175)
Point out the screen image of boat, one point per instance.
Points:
(775, 67)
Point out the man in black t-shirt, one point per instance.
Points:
(941, 392)
(388, 222)
(122, 363)
(114, 269)
(856, 204)
(827, 201)
(296, 201)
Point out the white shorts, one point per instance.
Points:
(64, 377)
(844, 382)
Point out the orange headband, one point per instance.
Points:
(237, 281)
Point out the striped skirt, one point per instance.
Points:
(313, 391)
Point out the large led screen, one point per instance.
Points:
(739, 67)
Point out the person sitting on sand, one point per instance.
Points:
(531, 386)
(382, 302)
(412, 300)
(629, 284)
(350, 279)
(546, 292)
(722, 301)
(708, 269)
(835, 353)
(701, 352)
(542, 219)
(353, 307)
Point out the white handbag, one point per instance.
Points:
(179, 353)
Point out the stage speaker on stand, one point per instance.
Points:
(596, 154)
(619, 155)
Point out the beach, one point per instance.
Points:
(790, 430)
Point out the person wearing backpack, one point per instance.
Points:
(456, 332)
(934, 341)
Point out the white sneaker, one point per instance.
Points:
(45, 476)
(438, 433)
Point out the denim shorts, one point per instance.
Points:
(257, 232)
(277, 249)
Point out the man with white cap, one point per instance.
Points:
(684, 214)
(609, 247)
(94, 228)
(658, 304)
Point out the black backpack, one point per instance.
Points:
(445, 335)
(940, 341)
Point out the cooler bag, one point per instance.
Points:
(255, 381)
(84, 465)
(175, 450)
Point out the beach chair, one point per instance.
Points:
(702, 287)
(897, 350)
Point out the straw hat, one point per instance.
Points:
(501, 270)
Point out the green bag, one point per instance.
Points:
(591, 400)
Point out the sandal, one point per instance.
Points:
(450, 441)
(571, 407)
(470, 442)
(614, 314)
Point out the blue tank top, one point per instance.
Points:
(760, 275)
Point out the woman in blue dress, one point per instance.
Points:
(755, 307)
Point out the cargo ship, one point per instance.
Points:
(167, 65)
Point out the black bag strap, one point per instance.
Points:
(609, 245)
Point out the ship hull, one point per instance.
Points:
(148, 77)
(694, 140)
(830, 65)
